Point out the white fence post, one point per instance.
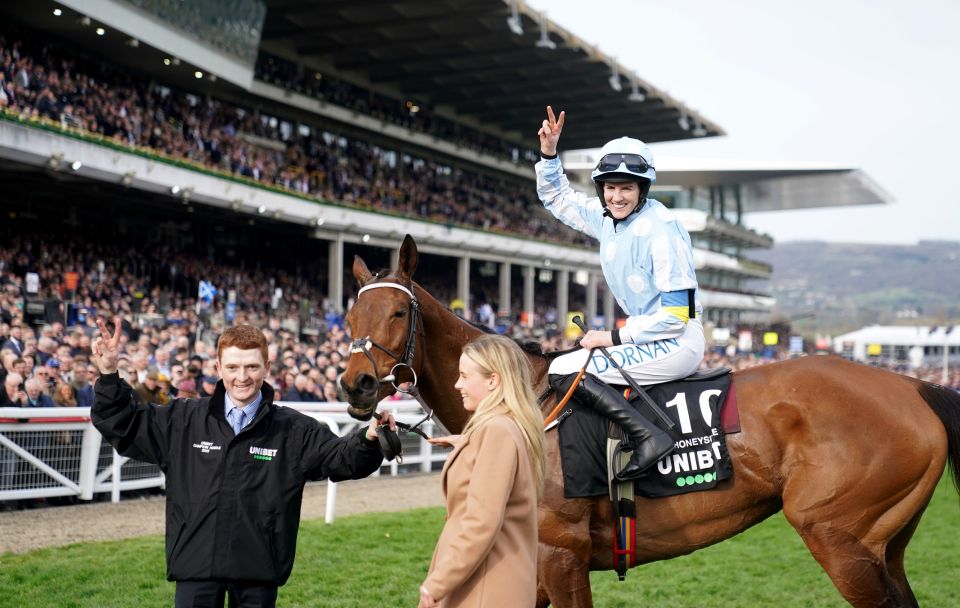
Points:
(89, 458)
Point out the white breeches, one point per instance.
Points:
(652, 363)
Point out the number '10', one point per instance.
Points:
(680, 402)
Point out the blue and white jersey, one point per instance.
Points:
(647, 258)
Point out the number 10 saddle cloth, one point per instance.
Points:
(703, 409)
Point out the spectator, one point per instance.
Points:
(15, 341)
(64, 396)
(14, 394)
(208, 385)
(81, 384)
(187, 389)
(35, 395)
(150, 391)
(300, 391)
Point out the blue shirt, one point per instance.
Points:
(250, 411)
(647, 258)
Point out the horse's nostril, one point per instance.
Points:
(366, 383)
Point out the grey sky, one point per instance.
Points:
(869, 84)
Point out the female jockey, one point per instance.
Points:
(647, 261)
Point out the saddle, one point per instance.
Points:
(703, 410)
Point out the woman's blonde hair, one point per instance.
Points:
(500, 355)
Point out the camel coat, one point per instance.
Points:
(487, 552)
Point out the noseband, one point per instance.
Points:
(389, 441)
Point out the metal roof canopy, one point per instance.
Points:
(765, 185)
(463, 57)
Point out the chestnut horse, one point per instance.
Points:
(850, 453)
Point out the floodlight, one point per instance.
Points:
(545, 42)
(513, 21)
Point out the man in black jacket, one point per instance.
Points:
(235, 463)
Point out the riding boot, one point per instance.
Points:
(649, 442)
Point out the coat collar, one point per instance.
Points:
(216, 402)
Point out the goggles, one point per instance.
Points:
(633, 162)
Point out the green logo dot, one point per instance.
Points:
(690, 480)
(708, 477)
(681, 482)
(699, 478)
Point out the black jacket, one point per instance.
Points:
(233, 502)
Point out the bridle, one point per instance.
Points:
(402, 361)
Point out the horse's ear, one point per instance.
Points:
(360, 271)
(408, 257)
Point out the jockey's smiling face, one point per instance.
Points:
(621, 198)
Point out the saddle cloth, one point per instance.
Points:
(699, 461)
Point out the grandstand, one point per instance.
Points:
(318, 130)
(348, 129)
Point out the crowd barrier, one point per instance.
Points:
(57, 452)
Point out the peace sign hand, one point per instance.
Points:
(550, 132)
(106, 352)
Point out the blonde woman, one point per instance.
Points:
(487, 552)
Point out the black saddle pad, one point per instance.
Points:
(699, 461)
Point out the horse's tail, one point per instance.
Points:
(946, 403)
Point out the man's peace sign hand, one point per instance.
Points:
(106, 348)
(550, 132)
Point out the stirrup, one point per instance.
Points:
(620, 448)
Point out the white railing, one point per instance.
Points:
(51, 452)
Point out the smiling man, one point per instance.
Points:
(236, 464)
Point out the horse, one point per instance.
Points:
(851, 454)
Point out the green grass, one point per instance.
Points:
(380, 560)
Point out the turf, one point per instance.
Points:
(380, 560)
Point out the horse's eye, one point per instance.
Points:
(400, 313)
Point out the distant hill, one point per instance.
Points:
(839, 287)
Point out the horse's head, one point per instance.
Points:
(384, 325)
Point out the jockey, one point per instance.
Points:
(647, 261)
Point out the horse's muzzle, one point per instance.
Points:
(362, 397)
(363, 413)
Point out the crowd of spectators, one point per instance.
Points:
(414, 115)
(44, 81)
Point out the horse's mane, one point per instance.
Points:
(531, 347)
(528, 346)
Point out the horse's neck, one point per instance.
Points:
(445, 335)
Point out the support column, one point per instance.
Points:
(394, 259)
(504, 298)
(463, 284)
(608, 304)
(591, 311)
(529, 274)
(335, 273)
(563, 297)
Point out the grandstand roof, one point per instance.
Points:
(765, 185)
(474, 58)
